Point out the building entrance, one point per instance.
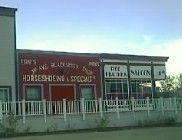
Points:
(60, 92)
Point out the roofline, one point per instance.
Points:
(134, 57)
(57, 52)
(101, 55)
(7, 11)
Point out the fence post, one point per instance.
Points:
(133, 106)
(64, 109)
(83, 108)
(117, 108)
(148, 106)
(175, 106)
(45, 110)
(170, 104)
(23, 110)
(162, 105)
(100, 108)
(1, 111)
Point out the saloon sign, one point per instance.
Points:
(159, 72)
(115, 71)
(142, 72)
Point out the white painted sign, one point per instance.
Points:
(140, 72)
(159, 72)
(136, 72)
(115, 71)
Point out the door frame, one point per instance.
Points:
(73, 85)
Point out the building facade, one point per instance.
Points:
(58, 75)
(7, 54)
(126, 76)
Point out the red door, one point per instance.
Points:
(62, 92)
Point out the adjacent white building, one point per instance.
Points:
(7, 54)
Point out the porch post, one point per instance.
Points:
(148, 106)
(162, 105)
(23, 110)
(64, 109)
(133, 106)
(117, 108)
(175, 106)
(100, 108)
(44, 109)
(83, 108)
(1, 111)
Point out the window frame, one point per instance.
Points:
(93, 86)
(123, 84)
(33, 85)
(9, 92)
(141, 91)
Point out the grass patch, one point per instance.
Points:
(160, 121)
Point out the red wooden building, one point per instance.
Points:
(54, 75)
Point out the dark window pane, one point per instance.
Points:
(87, 92)
(33, 93)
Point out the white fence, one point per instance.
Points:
(64, 108)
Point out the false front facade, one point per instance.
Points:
(56, 76)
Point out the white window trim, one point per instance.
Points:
(8, 89)
(41, 87)
(93, 85)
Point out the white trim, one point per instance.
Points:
(146, 62)
(140, 62)
(111, 60)
(161, 63)
(121, 81)
(93, 85)
(8, 92)
(41, 87)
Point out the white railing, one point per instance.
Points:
(45, 108)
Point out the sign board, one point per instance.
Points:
(136, 72)
(159, 72)
(139, 72)
(115, 71)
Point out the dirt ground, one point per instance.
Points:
(158, 133)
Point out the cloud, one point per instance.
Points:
(147, 39)
(83, 44)
(173, 49)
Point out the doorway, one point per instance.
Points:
(60, 92)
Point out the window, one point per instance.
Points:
(140, 88)
(87, 92)
(116, 88)
(32, 93)
(4, 94)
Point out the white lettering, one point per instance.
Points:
(43, 78)
(81, 79)
(93, 64)
(28, 61)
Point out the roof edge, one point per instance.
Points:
(7, 11)
(101, 55)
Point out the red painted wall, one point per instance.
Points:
(46, 69)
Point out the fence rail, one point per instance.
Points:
(34, 108)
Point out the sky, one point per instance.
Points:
(140, 27)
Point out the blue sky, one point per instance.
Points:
(142, 27)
